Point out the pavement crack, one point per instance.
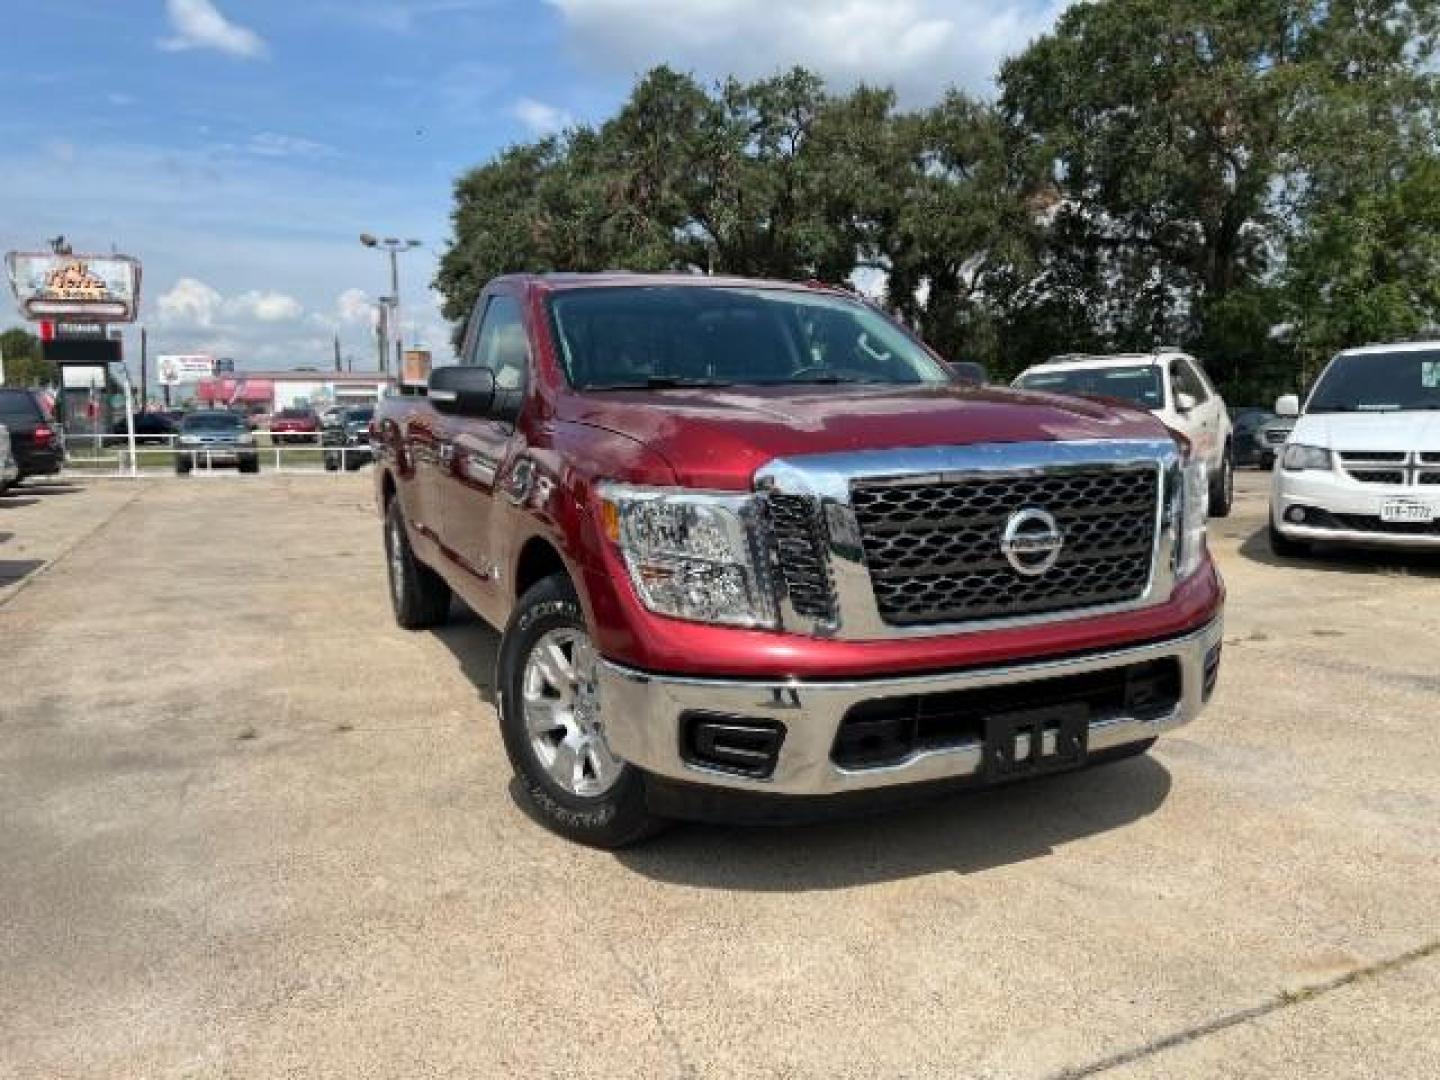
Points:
(652, 999)
(1283, 1000)
(70, 548)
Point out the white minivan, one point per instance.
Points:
(1172, 385)
(1362, 466)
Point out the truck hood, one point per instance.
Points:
(1395, 432)
(718, 438)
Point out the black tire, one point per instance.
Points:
(618, 816)
(1286, 548)
(1222, 486)
(331, 464)
(418, 595)
(183, 465)
(250, 465)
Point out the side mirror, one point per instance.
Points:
(1185, 402)
(462, 391)
(1287, 405)
(969, 373)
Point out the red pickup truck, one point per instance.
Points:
(758, 553)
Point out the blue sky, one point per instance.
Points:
(238, 147)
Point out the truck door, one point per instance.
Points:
(476, 451)
(1205, 417)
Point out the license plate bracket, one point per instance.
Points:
(1407, 511)
(1029, 742)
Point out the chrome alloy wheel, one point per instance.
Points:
(563, 715)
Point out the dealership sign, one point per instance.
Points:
(90, 288)
(174, 370)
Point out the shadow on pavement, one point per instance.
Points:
(15, 570)
(10, 502)
(47, 487)
(965, 834)
(1344, 560)
(476, 646)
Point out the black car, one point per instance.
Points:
(215, 437)
(1247, 423)
(151, 428)
(37, 443)
(350, 430)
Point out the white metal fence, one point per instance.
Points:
(103, 456)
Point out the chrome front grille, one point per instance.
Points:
(1393, 467)
(800, 556)
(934, 549)
(937, 540)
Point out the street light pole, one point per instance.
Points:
(391, 325)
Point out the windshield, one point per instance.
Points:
(680, 335)
(18, 407)
(1379, 382)
(1138, 384)
(212, 421)
(294, 414)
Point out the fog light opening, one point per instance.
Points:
(1295, 515)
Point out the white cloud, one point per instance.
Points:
(273, 144)
(355, 307)
(540, 118)
(918, 46)
(198, 24)
(189, 303)
(268, 307)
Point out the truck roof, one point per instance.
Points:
(1080, 362)
(618, 278)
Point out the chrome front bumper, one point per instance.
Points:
(643, 717)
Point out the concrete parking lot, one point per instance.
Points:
(250, 828)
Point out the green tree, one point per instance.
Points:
(25, 364)
(1191, 139)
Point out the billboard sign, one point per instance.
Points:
(88, 288)
(174, 370)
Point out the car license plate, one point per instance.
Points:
(1403, 510)
(1036, 740)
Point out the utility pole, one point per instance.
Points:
(144, 382)
(337, 352)
(392, 246)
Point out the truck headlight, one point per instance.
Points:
(691, 555)
(1298, 458)
(1194, 512)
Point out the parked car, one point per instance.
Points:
(756, 552)
(294, 425)
(9, 471)
(37, 442)
(347, 440)
(1362, 467)
(1271, 438)
(151, 428)
(1246, 423)
(214, 437)
(1171, 385)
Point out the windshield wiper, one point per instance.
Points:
(663, 382)
(831, 380)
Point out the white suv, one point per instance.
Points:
(1172, 385)
(1362, 466)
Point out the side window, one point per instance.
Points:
(501, 344)
(1188, 381)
